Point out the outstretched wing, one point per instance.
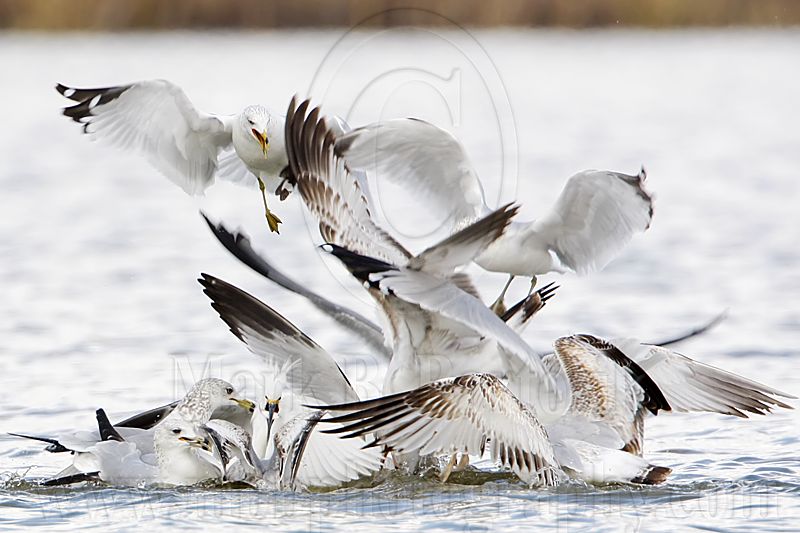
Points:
(270, 336)
(691, 386)
(426, 159)
(155, 118)
(238, 243)
(456, 415)
(594, 217)
(330, 191)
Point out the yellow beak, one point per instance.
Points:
(247, 405)
(196, 442)
(262, 139)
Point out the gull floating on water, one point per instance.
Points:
(168, 446)
(190, 147)
(595, 215)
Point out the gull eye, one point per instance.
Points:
(229, 390)
(251, 122)
(177, 431)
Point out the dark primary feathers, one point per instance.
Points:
(531, 304)
(88, 99)
(148, 419)
(238, 244)
(654, 399)
(107, 431)
(330, 191)
(360, 266)
(237, 308)
(54, 445)
(72, 478)
(268, 334)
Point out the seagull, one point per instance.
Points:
(190, 147)
(655, 379)
(308, 374)
(595, 215)
(137, 437)
(436, 324)
(179, 453)
(597, 439)
(418, 302)
(474, 413)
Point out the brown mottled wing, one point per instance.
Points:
(601, 390)
(456, 415)
(654, 399)
(330, 191)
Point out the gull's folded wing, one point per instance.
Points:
(605, 391)
(318, 459)
(462, 247)
(148, 419)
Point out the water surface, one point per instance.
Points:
(100, 256)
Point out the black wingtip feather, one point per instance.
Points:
(54, 445)
(74, 478)
(360, 266)
(654, 398)
(148, 419)
(107, 431)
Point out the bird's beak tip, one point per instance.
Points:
(247, 405)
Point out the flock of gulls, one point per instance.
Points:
(460, 383)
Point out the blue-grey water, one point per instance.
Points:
(100, 307)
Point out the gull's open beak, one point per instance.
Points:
(262, 139)
(197, 442)
(247, 405)
(272, 408)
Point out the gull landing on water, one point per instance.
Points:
(595, 215)
(190, 147)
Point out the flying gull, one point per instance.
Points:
(595, 215)
(190, 147)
